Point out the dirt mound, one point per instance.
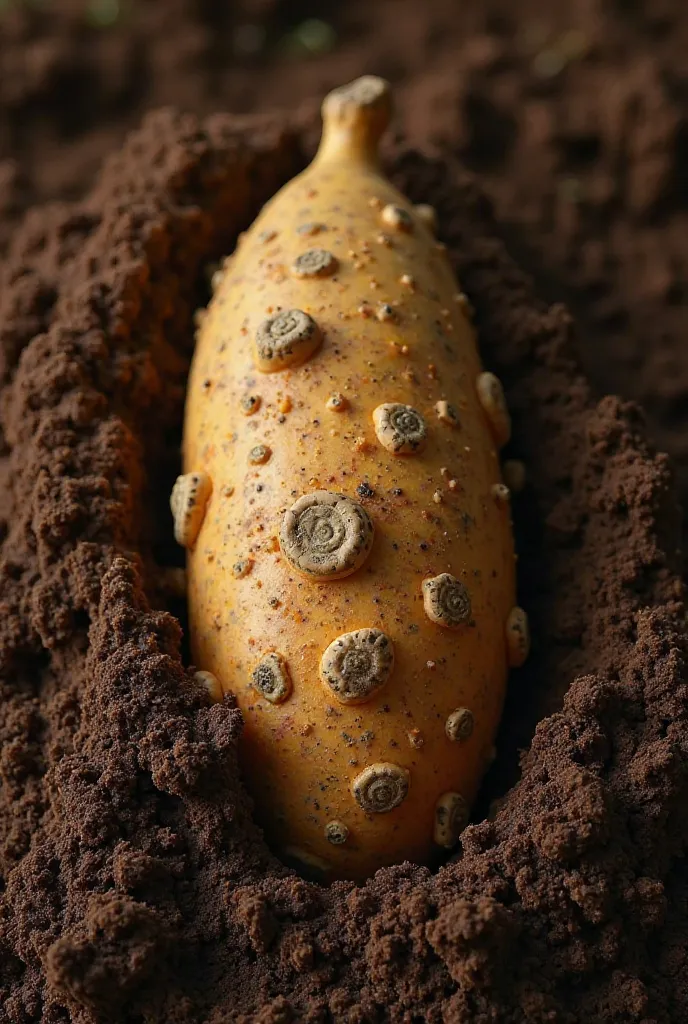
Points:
(133, 883)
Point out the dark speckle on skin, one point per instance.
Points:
(364, 490)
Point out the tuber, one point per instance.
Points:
(351, 571)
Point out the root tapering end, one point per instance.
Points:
(355, 116)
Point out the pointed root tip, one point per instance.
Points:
(367, 99)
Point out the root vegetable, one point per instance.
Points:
(350, 560)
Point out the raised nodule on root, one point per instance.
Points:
(451, 817)
(380, 787)
(356, 665)
(315, 263)
(399, 428)
(188, 501)
(446, 601)
(211, 684)
(336, 832)
(326, 535)
(259, 454)
(501, 493)
(427, 215)
(337, 402)
(250, 404)
(459, 725)
(517, 637)
(491, 396)
(385, 312)
(446, 413)
(271, 678)
(396, 217)
(287, 339)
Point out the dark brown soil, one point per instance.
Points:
(133, 884)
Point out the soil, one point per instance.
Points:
(133, 883)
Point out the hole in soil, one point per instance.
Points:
(524, 698)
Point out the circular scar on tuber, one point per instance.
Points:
(350, 560)
(326, 536)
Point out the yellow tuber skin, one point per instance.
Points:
(352, 582)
